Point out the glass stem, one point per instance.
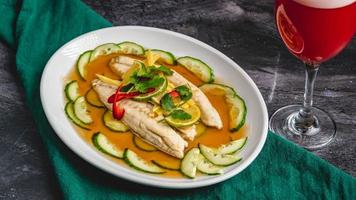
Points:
(305, 117)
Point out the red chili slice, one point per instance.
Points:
(117, 112)
(174, 94)
(115, 98)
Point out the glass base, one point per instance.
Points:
(316, 135)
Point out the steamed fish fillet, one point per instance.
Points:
(188, 132)
(209, 115)
(123, 64)
(137, 118)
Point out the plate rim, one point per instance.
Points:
(139, 179)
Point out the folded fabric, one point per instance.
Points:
(37, 28)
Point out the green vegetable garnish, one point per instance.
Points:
(184, 92)
(142, 84)
(127, 87)
(154, 70)
(167, 102)
(180, 114)
(165, 70)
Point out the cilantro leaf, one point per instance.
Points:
(143, 85)
(184, 92)
(180, 114)
(167, 102)
(127, 87)
(144, 72)
(165, 70)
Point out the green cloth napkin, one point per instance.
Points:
(37, 28)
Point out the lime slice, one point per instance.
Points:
(193, 110)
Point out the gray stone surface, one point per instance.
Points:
(242, 29)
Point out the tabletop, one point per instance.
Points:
(244, 30)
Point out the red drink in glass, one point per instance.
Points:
(316, 30)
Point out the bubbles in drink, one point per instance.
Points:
(325, 4)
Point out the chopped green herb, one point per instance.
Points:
(184, 92)
(127, 87)
(180, 114)
(165, 70)
(144, 85)
(167, 102)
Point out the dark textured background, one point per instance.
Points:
(242, 29)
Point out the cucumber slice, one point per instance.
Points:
(102, 143)
(165, 56)
(104, 49)
(197, 67)
(131, 48)
(114, 124)
(93, 99)
(207, 167)
(139, 143)
(167, 165)
(189, 163)
(82, 62)
(237, 113)
(81, 111)
(158, 91)
(217, 158)
(70, 114)
(233, 146)
(218, 89)
(237, 106)
(72, 90)
(138, 163)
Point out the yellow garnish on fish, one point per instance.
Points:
(151, 58)
(108, 80)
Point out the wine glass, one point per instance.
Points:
(314, 31)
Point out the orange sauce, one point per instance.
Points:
(212, 137)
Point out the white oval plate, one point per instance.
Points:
(53, 100)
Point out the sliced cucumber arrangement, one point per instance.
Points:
(143, 82)
(101, 142)
(82, 62)
(131, 48)
(139, 143)
(167, 165)
(237, 106)
(197, 67)
(190, 162)
(70, 114)
(93, 99)
(233, 146)
(207, 167)
(114, 124)
(140, 164)
(165, 56)
(81, 111)
(104, 49)
(72, 90)
(216, 157)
